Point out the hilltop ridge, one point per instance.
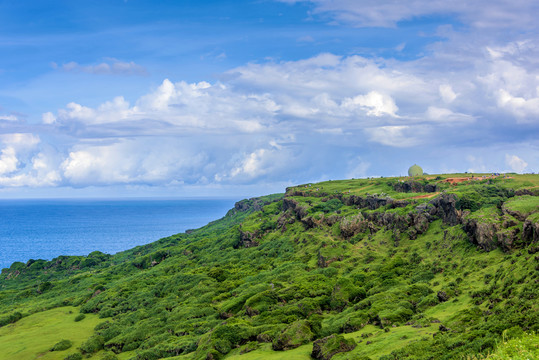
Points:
(438, 266)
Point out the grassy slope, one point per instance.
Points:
(33, 337)
(200, 289)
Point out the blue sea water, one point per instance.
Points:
(44, 229)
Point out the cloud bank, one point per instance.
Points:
(469, 103)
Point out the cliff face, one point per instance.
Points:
(504, 228)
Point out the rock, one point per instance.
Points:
(421, 223)
(326, 348)
(507, 238)
(444, 328)
(442, 296)
(444, 206)
(414, 186)
(247, 240)
(533, 250)
(483, 234)
(530, 232)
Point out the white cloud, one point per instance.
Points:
(110, 66)
(132, 161)
(8, 118)
(20, 141)
(517, 164)
(8, 161)
(375, 103)
(48, 118)
(395, 136)
(447, 94)
(517, 105)
(386, 13)
(446, 116)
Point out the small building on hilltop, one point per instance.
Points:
(415, 170)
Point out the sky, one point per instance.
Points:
(139, 98)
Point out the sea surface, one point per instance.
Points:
(45, 229)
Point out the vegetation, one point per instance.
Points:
(386, 268)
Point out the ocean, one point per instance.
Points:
(45, 229)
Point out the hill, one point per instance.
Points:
(436, 267)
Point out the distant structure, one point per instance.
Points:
(415, 170)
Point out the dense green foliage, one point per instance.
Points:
(380, 268)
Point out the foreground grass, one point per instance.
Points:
(32, 337)
(523, 348)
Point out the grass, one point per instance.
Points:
(525, 205)
(266, 353)
(522, 348)
(32, 337)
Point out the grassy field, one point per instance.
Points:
(33, 337)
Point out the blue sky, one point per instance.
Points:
(214, 98)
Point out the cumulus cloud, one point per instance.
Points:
(250, 125)
(375, 103)
(8, 161)
(48, 118)
(127, 161)
(24, 163)
(515, 163)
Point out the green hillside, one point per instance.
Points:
(435, 267)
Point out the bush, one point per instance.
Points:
(75, 356)
(80, 317)
(92, 345)
(108, 356)
(62, 345)
(10, 319)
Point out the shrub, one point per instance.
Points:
(75, 356)
(80, 317)
(92, 345)
(62, 345)
(10, 319)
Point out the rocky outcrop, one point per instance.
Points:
(252, 204)
(487, 234)
(373, 202)
(530, 232)
(508, 238)
(483, 234)
(414, 186)
(326, 348)
(247, 240)
(444, 207)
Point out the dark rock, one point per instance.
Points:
(414, 186)
(532, 250)
(247, 240)
(507, 238)
(445, 208)
(322, 263)
(443, 328)
(530, 232)
(483, 234)
(442, 296)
